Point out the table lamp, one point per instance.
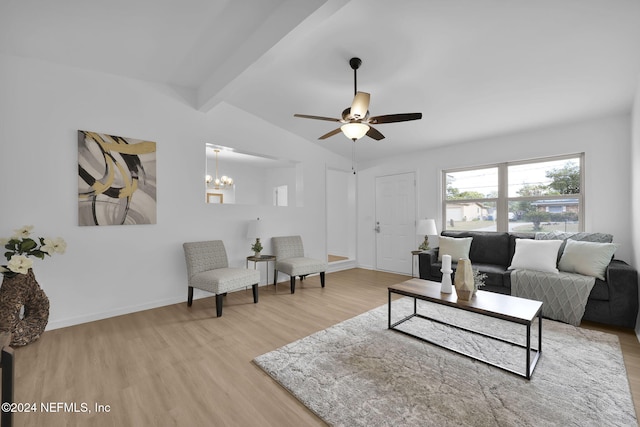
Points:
(254, 231)
(426, 228)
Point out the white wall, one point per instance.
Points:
(607, 147)
(118, 269)
(635, 186)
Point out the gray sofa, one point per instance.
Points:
(613, 301)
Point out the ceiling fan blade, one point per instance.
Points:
(375, 134)
(333, 132)
(305, 116)
(360, 105)
(393, 118)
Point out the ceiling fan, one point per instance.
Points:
(356, 120)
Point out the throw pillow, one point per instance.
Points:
(582, 236)
(457, 247)
(539, 255)
(587, 258)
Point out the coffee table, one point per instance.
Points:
(506, 307)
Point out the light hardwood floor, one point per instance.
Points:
(182, 366)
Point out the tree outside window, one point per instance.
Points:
(540, 195)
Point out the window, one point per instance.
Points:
(471, 199)
(536, 195)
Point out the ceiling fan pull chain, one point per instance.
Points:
(353, 156)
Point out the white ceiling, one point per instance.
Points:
(474, 68)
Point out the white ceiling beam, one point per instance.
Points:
(292, 18)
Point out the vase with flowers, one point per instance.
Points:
(24, 307)
(478, 280)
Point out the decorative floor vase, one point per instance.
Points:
(22, 290)
(463, 281)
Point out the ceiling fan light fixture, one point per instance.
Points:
(360, 105)
(354, 130)
(356, 118)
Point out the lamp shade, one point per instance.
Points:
(254, 231)
(354, 130)
(360, 106)
(427, 227)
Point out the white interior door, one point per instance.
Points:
(395, 222)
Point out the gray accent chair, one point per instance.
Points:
(290, 260)
(208, 269)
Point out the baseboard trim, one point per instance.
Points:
(72, 321)
(92, 317)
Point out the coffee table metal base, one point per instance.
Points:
(530, 362)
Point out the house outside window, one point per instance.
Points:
(527, 196)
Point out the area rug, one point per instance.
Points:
(359, 373)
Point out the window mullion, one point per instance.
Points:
(503, 204)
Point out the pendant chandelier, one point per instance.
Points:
(222, 182)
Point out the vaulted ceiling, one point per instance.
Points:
(474, 68)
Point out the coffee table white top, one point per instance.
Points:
(514, 309)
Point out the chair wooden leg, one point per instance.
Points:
(322, 278)
(219, 304)
(255, 293)
(293, 284)
(190, 296)
(275, 277)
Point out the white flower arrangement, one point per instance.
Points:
(478, 278)
(21, 246)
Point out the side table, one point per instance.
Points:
(262, 258)
(413, 258)
(6, 365)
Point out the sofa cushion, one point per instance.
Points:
(495, 273)
(588, 258)
(538, 255)
(434, 270)
(458, 248)
(487, 247)
(300, 266)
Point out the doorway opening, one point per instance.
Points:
(341, 216)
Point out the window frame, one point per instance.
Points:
(503, 199)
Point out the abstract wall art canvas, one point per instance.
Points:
(116, 180)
